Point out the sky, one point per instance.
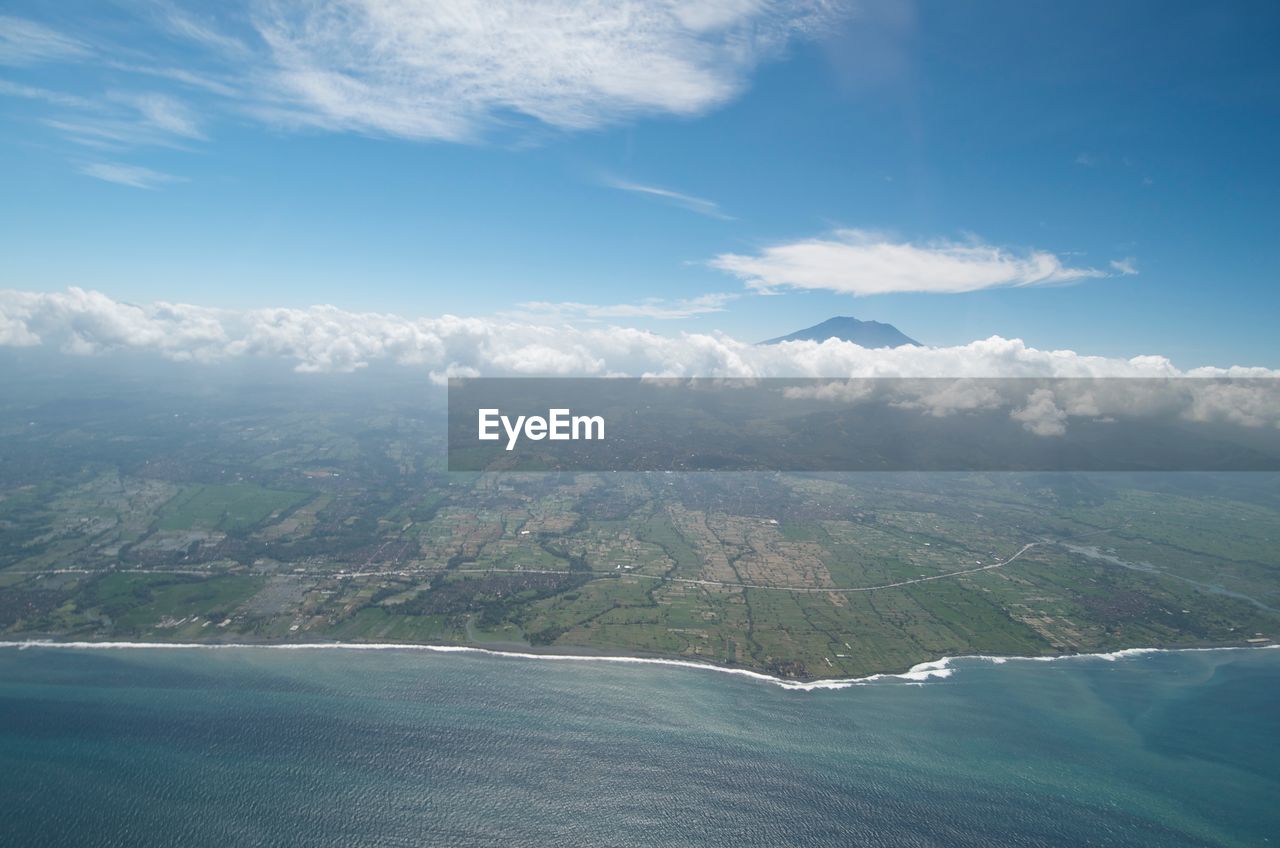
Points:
(1091, 177)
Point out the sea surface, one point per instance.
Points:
(253, 746)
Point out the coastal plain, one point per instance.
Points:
(277, 517)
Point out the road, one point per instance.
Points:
(341, 575)
(733, 585)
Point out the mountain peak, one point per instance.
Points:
(845, 328)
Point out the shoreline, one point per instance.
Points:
(918, 674)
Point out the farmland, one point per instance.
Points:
(287, 518)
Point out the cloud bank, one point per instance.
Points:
(861, 262)
(325, 338)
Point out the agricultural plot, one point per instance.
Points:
(230, 508)
(272, 524)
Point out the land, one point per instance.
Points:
(318, 509)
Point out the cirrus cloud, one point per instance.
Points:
(26, 42)
(424, 70)
(446, 70)
(134, 176)
(700, 205)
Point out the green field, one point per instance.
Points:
(229, 508)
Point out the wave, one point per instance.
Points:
(918, 674)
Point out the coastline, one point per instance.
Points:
(918, 674)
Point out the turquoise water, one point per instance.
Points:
(249, 746)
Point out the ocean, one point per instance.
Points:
(254, 746)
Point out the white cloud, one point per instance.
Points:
(55, 98)
(860, 262)
(325, 338)
(189, 27)
(1045, 404)
(25, 42)
(161, 114)
(1126, 266)
(328, 339)
(187, 78)
(1235, 403)
(135, 176)
(1041, 414)
(434, 70)
(446, 70)
(686, 201)
(949, 397)
(116, 119)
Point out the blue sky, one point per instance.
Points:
(1094, 176)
